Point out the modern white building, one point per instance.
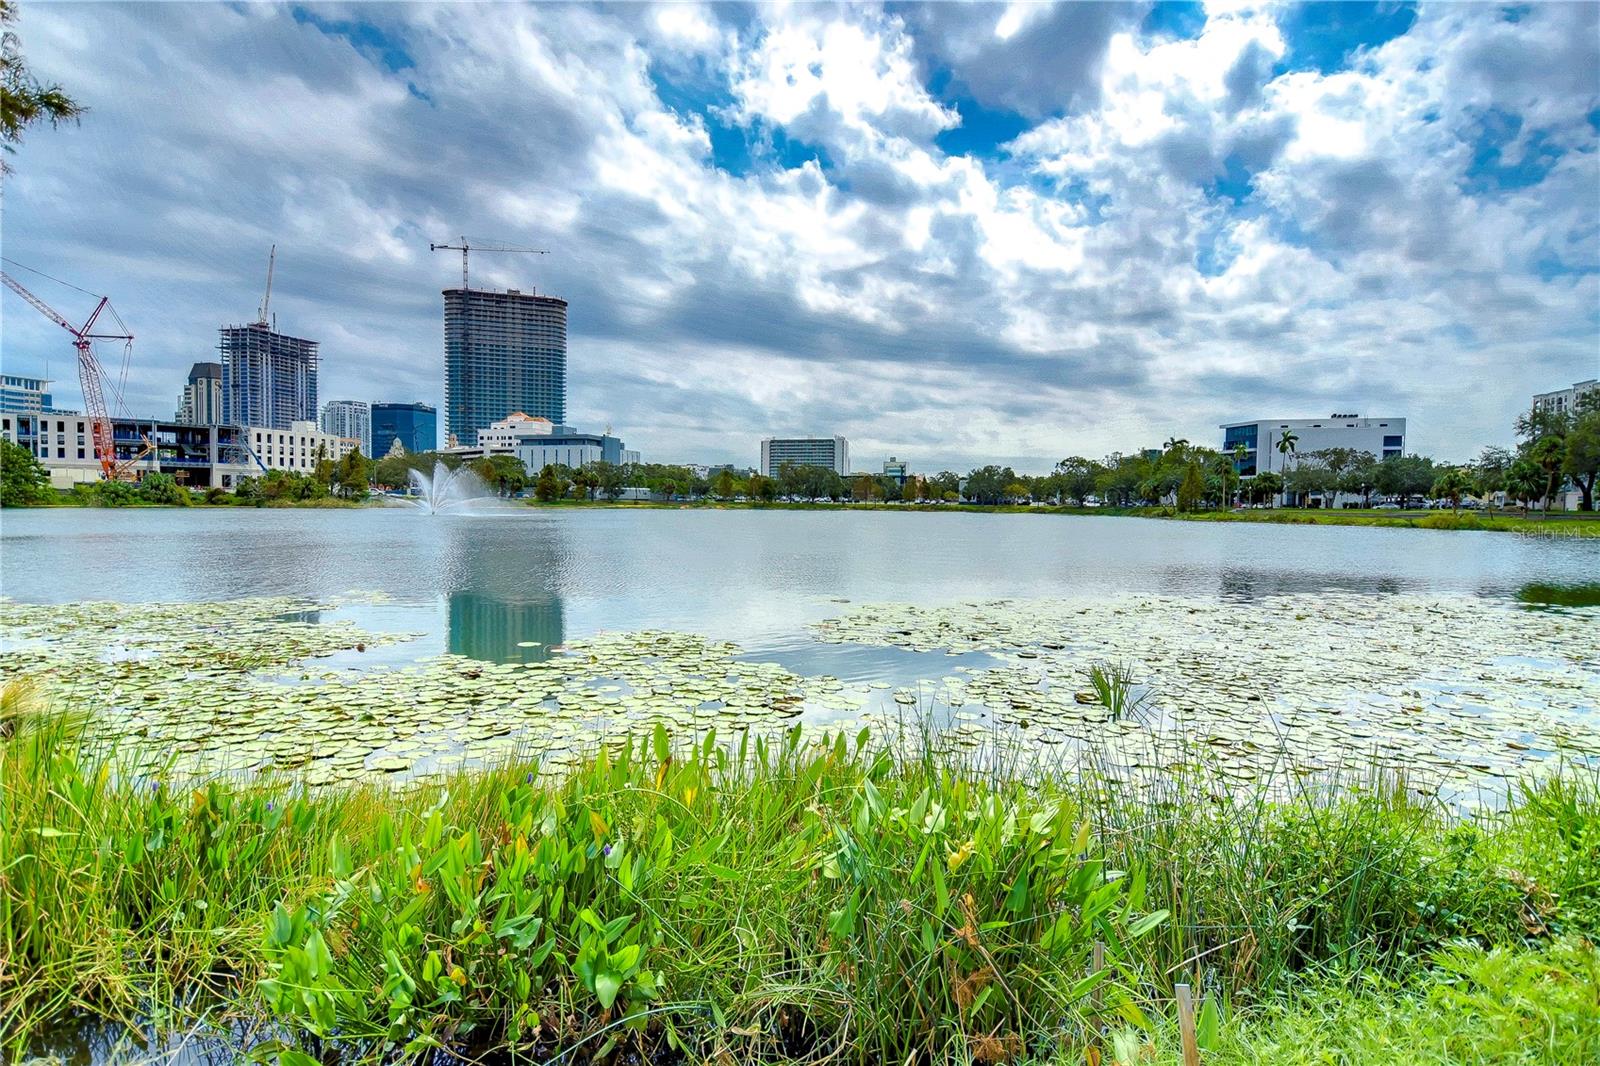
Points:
(539, 443)
(1564, 401)
(299, 447)
(502, 436)
(200, 403)
(1381, 437)
(349, 418)
(831, 452)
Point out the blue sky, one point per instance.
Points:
(956, 232)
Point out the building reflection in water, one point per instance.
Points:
(491, 628)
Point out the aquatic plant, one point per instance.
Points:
(1114, 689)
(768, 899)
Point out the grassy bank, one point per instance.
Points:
(1574, 525)
(784, 901)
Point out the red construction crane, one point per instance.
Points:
(90, 375)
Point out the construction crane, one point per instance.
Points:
(266, 301)
(91, 376)
(465, 248)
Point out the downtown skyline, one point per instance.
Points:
(962, 235)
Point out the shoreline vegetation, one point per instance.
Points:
(857, 899)
(1572, 524)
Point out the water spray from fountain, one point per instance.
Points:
(447, 490)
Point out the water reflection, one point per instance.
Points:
(1238, 583)
(500, 629)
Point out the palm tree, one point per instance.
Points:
(1239, 452)
(1286, 447)
(1175, 444)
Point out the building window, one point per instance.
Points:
(61, 453)
(1391, 441)
(80, 453)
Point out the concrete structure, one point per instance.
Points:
(1565, 401)
(1381, 437)
(897, 470)
(268, 378)
(197, 456)
(414, 425)
(502, 436)
(503, 352)
(200, 403)
(299, 447)
(349, 418)
(539, 443)
(831, 452)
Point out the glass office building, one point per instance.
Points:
(414, 425)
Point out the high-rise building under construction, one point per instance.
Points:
(503, 352)
(269, 379)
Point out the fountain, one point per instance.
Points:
(449, 490)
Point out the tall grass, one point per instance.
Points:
(745, 898)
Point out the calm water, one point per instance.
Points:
(479, 584)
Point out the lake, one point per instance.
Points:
(1349, 637)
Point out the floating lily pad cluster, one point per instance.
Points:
(1464, 690)
(1460, 689)
(227, 687)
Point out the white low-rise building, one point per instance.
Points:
(1565, 401)
(299, 447)
(1380, 437)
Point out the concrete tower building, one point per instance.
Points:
(200, 403)
(503, 352)
(269, 379)
(349, 418)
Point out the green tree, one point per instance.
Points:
(547, 488)
(352, 474)
(163, 489)
(1286, 447)
(990, 484)
(763, 488)
(1077, 476)
(722, 485)
(1453, 484)
(1492, 467)
(1549, 453)
(1192, 489)
(23, 479)
(24, 100)
(503, 473)
(1582, 461)
(1360, 477)
(607, 477)
(1265, 486)
(1524, 481)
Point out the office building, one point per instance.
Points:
(25, 395)
(1380, 437)
(831, 452)
(502, 436)
(298, 448)
(539, 443)
(200, 403)
(349, 418)
(1565, 401)
(268, 378)
(415, 426)
(503, 352)
(897, 470)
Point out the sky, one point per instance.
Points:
(954, 233)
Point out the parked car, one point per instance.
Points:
(1387, 507)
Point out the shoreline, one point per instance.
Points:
(1562, 525)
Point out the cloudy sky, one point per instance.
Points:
(957, 233)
